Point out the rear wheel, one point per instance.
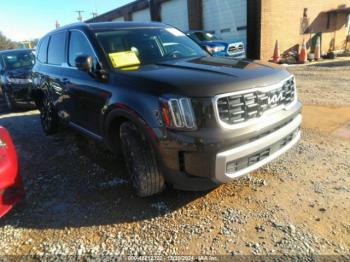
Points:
(48, 116)
(11, 104)
(141, 161)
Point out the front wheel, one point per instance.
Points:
(141, 161)
(48, 117)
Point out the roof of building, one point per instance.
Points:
(108, 25)
(340, 10)
(114, 25)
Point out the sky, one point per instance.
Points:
(29, 19)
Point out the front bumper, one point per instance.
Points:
(198, 160)
(238, 161)
(11, 187)
(236, 55)
(20, 92)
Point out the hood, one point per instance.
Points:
(215, 43)
(202, 77)
(21, 73)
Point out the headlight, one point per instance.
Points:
(178, 113)
(18, 80)
(215, 49)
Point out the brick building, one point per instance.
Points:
(258, 23)
(291, 21)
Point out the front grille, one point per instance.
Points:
(235, 48)
(235, 109)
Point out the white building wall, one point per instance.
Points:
(119, 19)
(224, 16)
(175, 13)
(143, 15)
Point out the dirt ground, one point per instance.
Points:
(297, 205)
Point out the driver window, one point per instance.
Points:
(79, 45)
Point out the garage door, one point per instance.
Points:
(119, 19)
(141, 16)
(175, 13)
(226, 18)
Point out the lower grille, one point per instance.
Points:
(235, 109)
(250, 160)
(235, 48)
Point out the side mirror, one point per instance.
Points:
(84, 63)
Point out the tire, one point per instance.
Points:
(10, 103)
(141, 161)
(48, 116)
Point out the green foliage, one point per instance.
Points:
(6, 43)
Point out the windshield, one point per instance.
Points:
(203, 36)
(140, 46)
(19, 59)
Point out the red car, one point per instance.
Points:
(11, 187)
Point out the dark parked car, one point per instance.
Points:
(216, 46)
(15, 77)
(176, 113)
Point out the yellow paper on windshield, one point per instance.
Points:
(124, 59)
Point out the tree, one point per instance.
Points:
(6, 43)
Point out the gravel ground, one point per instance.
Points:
(331, 89)
(79, 204)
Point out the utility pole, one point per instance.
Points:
(57, 24)
(94, 14)
(80, 17)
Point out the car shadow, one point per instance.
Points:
(66, 187)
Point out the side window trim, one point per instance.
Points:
(47, 50)
(68, 45)
(39, 49)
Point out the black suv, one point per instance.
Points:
(15, 77)
(176, 113)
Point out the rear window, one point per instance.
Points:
(57, 49)
(42, 53)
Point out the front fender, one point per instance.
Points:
(116, 117)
